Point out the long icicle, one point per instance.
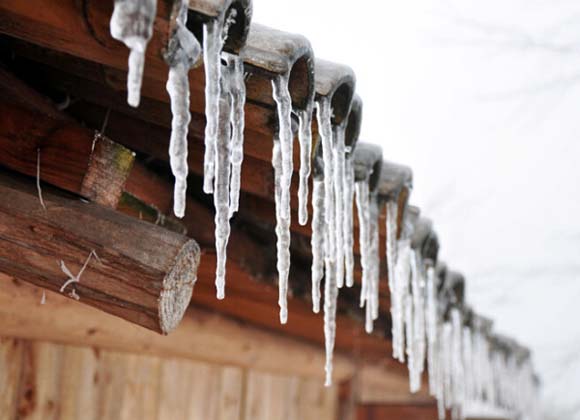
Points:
(317, 240)
(221, 189)
(237, 117)
(183, 52)
(305, 141)
(330, 299)
(283, 166)
(348, 222)
(212, 46)
(323, 115)
(362, 204)
(132, 23)
(338, 157)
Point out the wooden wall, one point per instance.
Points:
(45, 381)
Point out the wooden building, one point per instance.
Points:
(86, 188)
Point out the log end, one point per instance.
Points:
(178, 286)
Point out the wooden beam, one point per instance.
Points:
(202, 335)
(143, 273)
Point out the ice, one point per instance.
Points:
(305, 141)
(401, 286)
(330, 298)
(282, 162)
(182, 52)
(432, 330)
(409, 334)
(373, 263)
(363, 210)
(457, 375)
(237, 116)
(317, 240)
(178, 89)
(222, 192)
(132, 23)
(338, 157)
(213, 42)
(468, 365)
(418, 320)
(348, 222)
(391, 241)
(323, 115)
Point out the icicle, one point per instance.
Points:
(401, 286)
(457, 368)
(468, 365)
(373, 262)
(323, 115)
(221, 193)
(238, 98)
(183, 52)
(409, 334)
(348, 222)
(338, 157)
(330, 298)
(447, 363)
(363, 211)
(213, 42)
(282, 162)
(282, 233)
(391, 242)
(305, 140)
(432, 329)
(132, 23)
(418, 339)
(317, 240)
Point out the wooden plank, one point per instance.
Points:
(397, 412)
(41, 393)
(142, 273)
(376, 386)
(201, 336)
(11, 355)
(79, 381)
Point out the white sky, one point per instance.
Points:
(481, 99)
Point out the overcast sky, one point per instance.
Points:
(481, 99)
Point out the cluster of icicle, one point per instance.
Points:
(463, 366)
(332, 230)
(225, 95)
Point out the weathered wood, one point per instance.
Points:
(81, 29)
(269, 52)
(95, 167)
(202, 335)
(11, 354)
(376, 386)
(397, 412)
(336, 82)
(143, 273)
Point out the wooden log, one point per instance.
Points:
(143, 273)
(396, 183)
(202, 335)
(336, 82)
(81, 29)
(95, 166)
(268, 53)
